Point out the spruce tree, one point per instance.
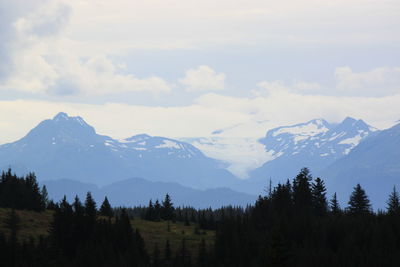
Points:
(393, 203)
(167, 210)
(302, 197)
(318, 190)
(359, 202)
(334, 205)
(45, 197)
(78, 207)
(90, 206)
(105, 209)
(157, 211)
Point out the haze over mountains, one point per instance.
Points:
(70, 157)
(68, 148)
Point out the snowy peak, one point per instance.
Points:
(281, 140)
(160, 145)
(63, 118)
(316, 138)
(301, 130)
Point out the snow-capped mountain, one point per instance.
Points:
(67, 147)
(316, 138)
(374, 163)
(314, 144)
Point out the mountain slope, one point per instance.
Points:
(68, 148)
(374, 163)
(314, 144)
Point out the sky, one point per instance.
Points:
(187, 68)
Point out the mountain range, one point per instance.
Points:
(69, 156)
(315, 144)
(68, 148)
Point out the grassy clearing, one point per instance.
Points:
(34, 224)
(157, 233)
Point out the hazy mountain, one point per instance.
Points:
(374, 163)
(314, 144)
(68, 148)
(138, 191)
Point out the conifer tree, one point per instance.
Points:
(318, 190)
(393, 203)
(157, 211)
(359, 202)
(334, 205)
(45, 196)
(78, 207)
(150, 212)
(167, 210)
(302, 197)
(90, 206)
(105, 209)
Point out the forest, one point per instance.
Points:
(294, 224)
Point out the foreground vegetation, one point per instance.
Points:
(293, 225)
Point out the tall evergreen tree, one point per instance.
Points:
(45, 196)
(302, 196)
(90, 206)
(167, 209)
(393, 203)
(150, 212)
(334, 205)
(318, 191)
(359, 202)
(157, 211)
(78, 207)
(105, 209)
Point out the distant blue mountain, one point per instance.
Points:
(374, 163)
(136, 191)
(315, 144)
(68, 148)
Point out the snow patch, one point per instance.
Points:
(351, 141)
(169, 144)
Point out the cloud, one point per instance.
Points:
(267, 88)
(203, 79)
(36, 59)
(377, 82)
(382, 81)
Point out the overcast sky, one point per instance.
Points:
(187, 68)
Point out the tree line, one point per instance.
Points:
(294, 224)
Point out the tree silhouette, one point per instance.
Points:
(334, 205)
(90, 206)
(318, 190)
(359, 202)
(393, 203)
(105, 209)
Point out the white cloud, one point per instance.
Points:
(39, 61)
(377, 82)
(203, 79)
(192, 24)
(266, 88)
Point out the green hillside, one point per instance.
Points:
(34, 224)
